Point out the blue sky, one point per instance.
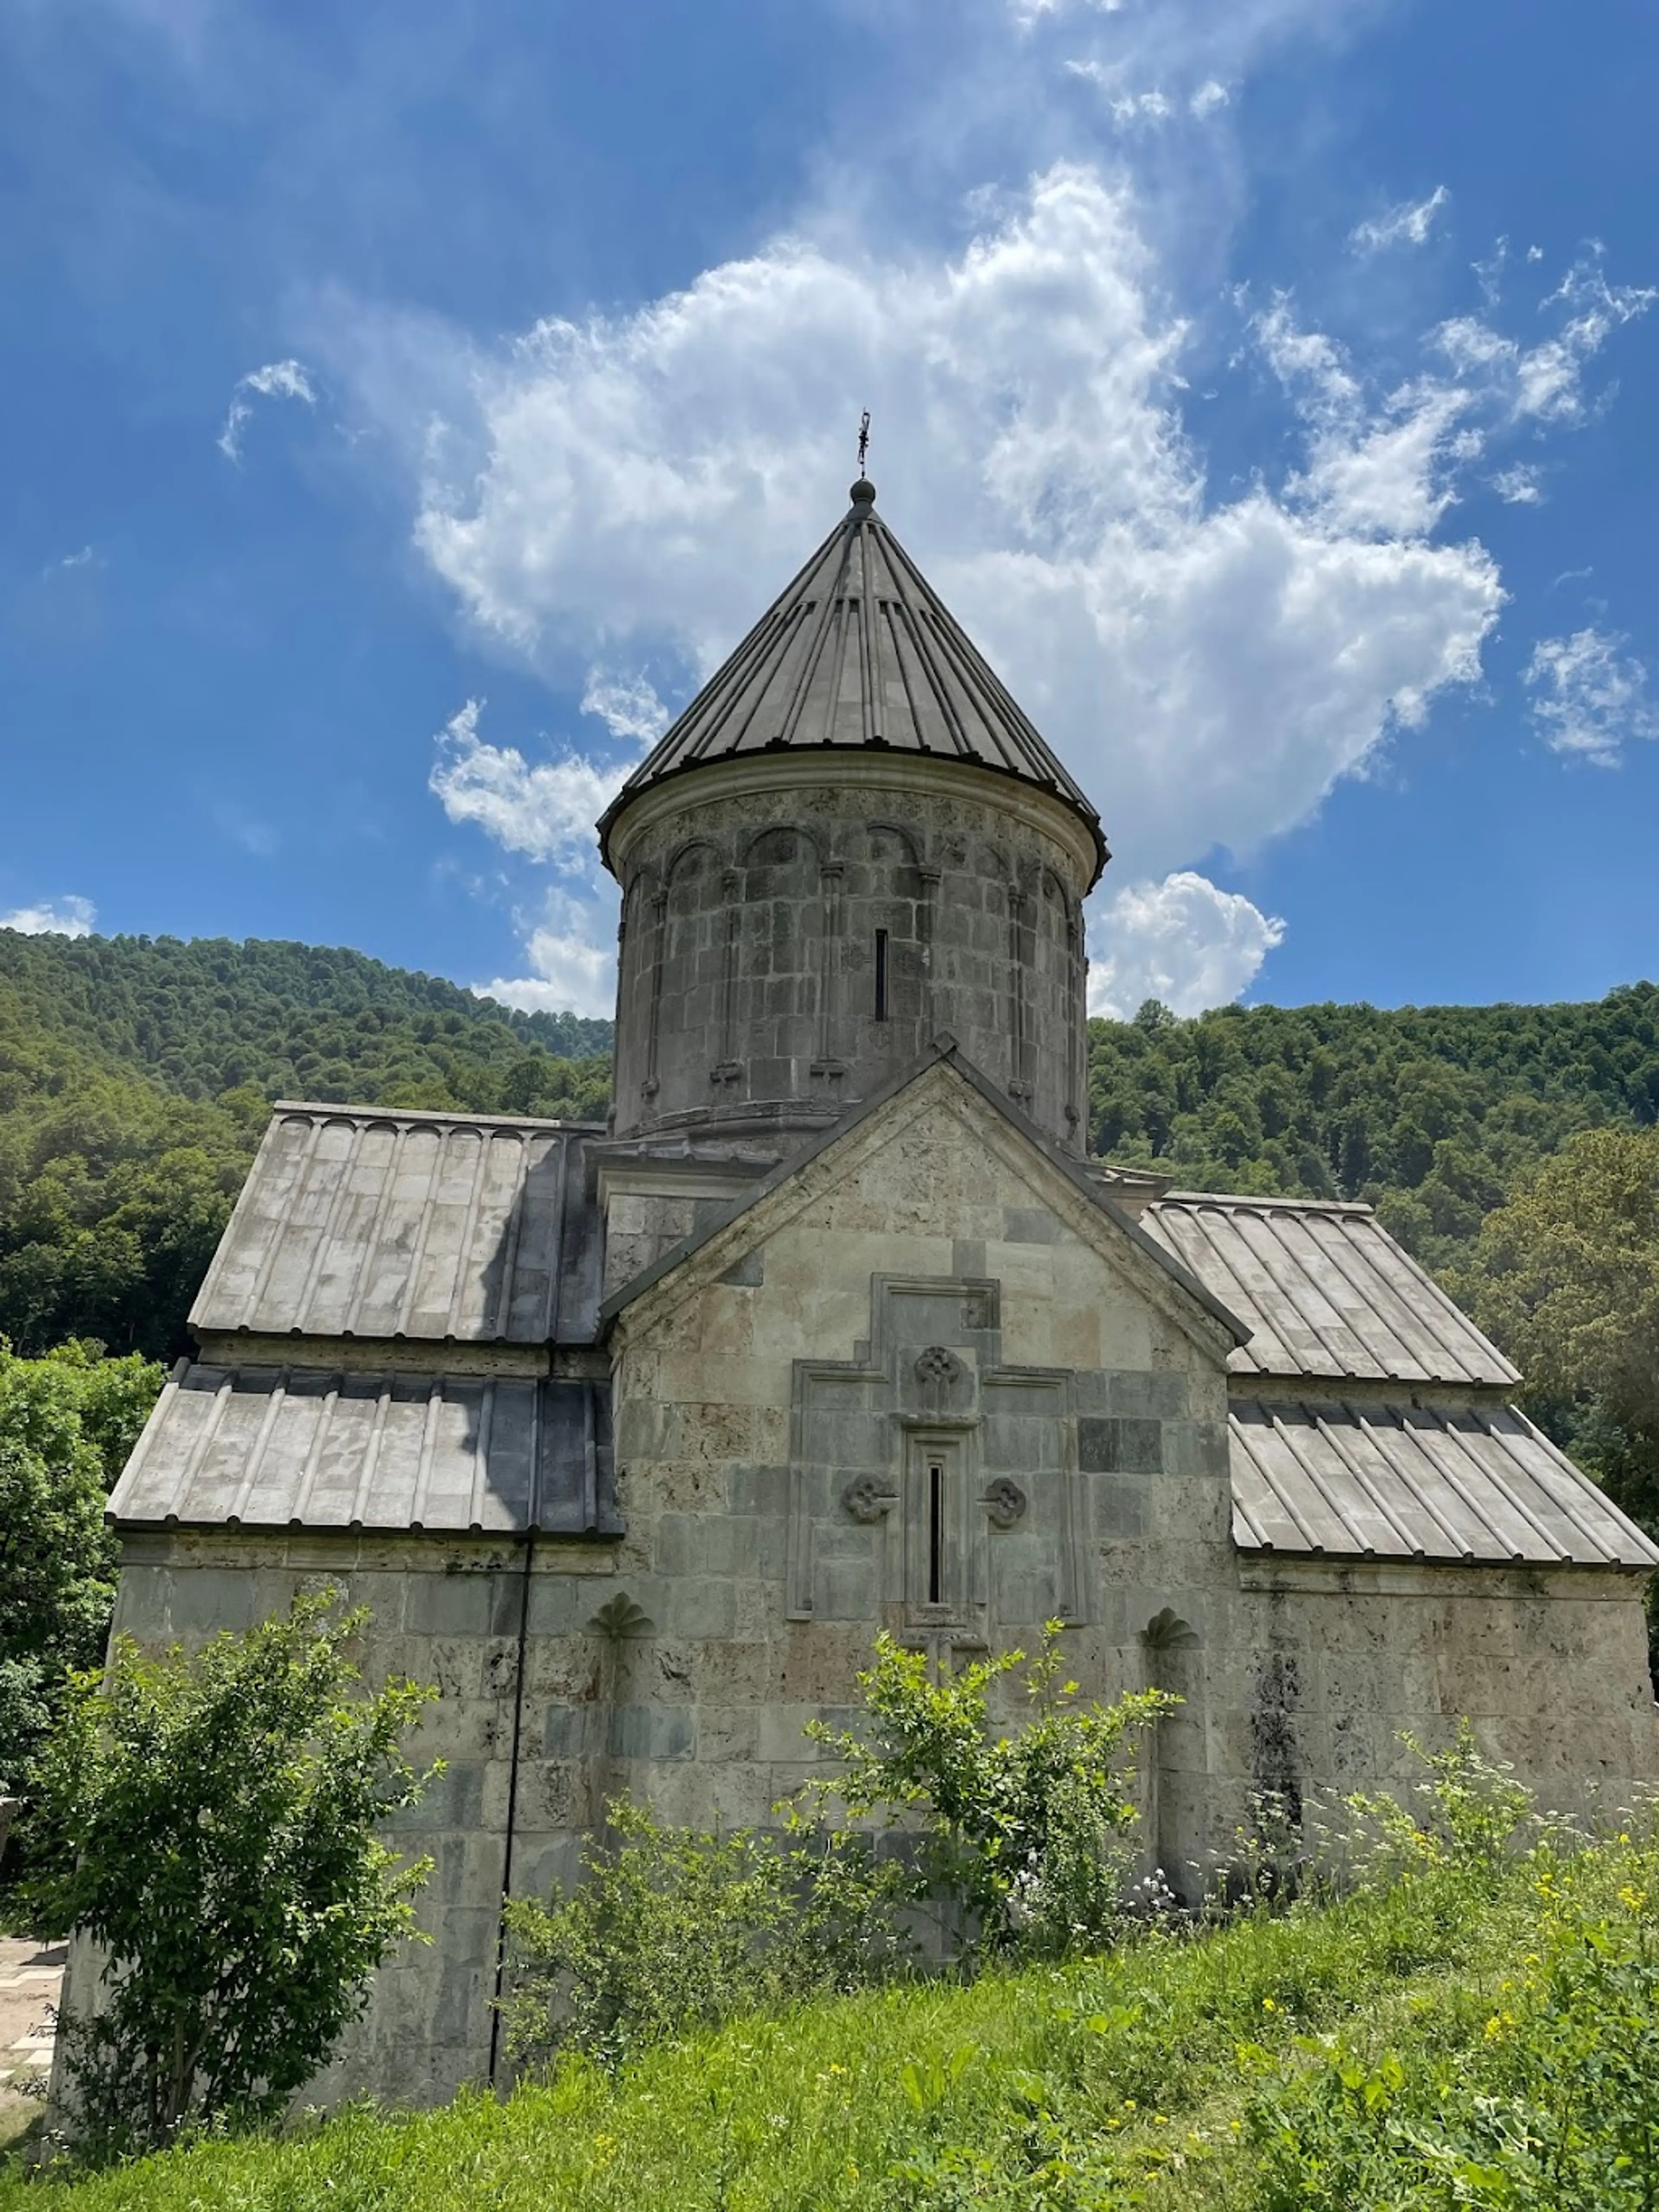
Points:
(406, 404)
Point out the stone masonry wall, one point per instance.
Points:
(752, 981)
(928, 1294)
(1313, 1670)
(764, 1396)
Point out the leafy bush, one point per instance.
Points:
(1022, 1835)
(214, 1822)
(67, 1422)
(1475, 1809)
(671, 1930)
(1021, 1838)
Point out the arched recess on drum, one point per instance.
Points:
(889, 920)
(780, 951)
(636, 954)
(1056, 1012)
(689, 992)
(995, 911)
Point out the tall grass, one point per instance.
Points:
(1466, 2032)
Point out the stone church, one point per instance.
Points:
(632, 1435)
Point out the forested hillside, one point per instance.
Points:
(136, 1073)
(1429, 1112)
(135, 1078)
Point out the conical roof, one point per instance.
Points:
(858, 653)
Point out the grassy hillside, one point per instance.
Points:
(136, 1073)
(1465, 2035)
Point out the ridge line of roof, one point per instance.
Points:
(836, 604)
(455, 1115)
(1259, 1199)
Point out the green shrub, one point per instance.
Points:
(671, 1930)
(1472, 1810)
(214, 1820)
(1023, 1836)
(67, 1422)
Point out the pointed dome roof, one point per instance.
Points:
(858, 653)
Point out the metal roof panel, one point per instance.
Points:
(1478, 1485)
(1327, 1291)
(859, 650)
(268, 1448)
(360, 1222)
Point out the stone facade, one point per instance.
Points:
(926, 1383)
(631, 1439)
(794, 936)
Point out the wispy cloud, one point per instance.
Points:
(239, 827)
(1545, 382)
(277, 379)
(63, 917)
(1589, 697)
(1519, 486)
(546, 811)
(1489, 273)
(627, 705)
(1408, 224)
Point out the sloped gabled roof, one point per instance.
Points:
(1479, 1486)
(1325, 1292)
(262, 1447)
(858, 652)
(366, 1222)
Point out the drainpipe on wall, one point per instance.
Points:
(512, 1806)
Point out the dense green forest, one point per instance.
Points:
(135, 1078)
(1429, 1112)
(136, 1073)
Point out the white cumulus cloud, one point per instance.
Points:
(277, 379)
(546, 809)
(64, 917)
(1408, 224)
(1181, 941)
(1589, 697)
(614, 492)
(572, 970)
(641, 486)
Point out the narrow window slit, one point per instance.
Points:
(935, 1532)
(881, 975)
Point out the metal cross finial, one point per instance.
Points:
(864, 439)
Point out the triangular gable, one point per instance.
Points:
(945, 1076)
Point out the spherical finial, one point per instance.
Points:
(863, 493)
